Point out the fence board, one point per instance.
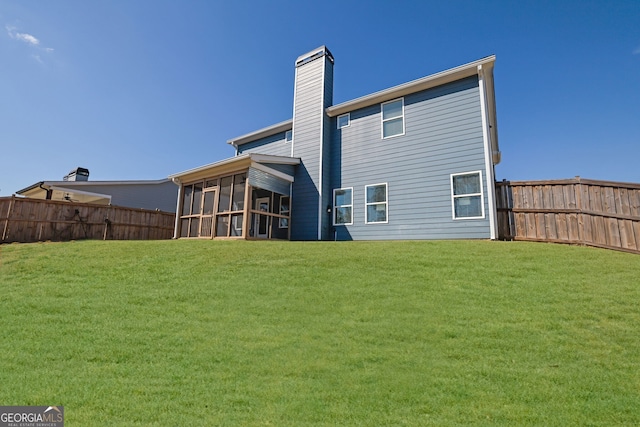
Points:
(32, 220)
(597, 213)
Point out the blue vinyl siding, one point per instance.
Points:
(443, 136)
(274, 145)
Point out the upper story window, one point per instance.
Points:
(393, 118)
(343, 206)
(344, 120)
(466, 194)
(288, 136)
(376, 203)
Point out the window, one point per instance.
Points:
(343, 206)
(288, 136)
(344, 120)
(466, 195)
(393, 118)
(376, 203)
(284, 210)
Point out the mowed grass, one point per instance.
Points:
(208, 333)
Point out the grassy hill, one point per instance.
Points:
(205, 333)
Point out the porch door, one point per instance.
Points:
(261, 224)
(206, 222)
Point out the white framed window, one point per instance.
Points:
(344, 120)
(284, 210)
(288, 136)
(343, 206)
(376, 204)
(467, 198)
(393, 118)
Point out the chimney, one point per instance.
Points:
(311, 137)
(78, 174)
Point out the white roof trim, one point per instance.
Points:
(262, 133)
(423, 83)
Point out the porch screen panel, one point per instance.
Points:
(237, 203)
(224, 203)
(260, 179)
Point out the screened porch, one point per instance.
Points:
(249, 201)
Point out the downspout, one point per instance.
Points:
(175, 226)
(488, 154)
(49, 191)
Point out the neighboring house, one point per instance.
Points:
(157, 194)
(415, 161)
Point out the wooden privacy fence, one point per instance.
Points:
(32, 220)
(576, 211)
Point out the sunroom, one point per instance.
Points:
(244, 197)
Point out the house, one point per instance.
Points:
(414, 161)
(75, 186)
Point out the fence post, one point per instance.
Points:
(106, 223)
(578, 190)
(6, 221)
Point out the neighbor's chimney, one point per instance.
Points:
(78, 174)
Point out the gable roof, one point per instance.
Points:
(428, 82)
(262, 133)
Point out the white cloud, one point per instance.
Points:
(28, 38)
(25, 37)
(637, 51)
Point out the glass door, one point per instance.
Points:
(206, 222)
(261, 224)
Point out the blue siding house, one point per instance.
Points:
(415, 161)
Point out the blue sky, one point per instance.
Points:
(143, 89)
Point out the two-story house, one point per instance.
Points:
(415, 161)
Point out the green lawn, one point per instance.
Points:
(204, 333)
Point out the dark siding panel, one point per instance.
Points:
(260, 179)
(274, 145)
(288, 169)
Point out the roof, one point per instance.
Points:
(231, 165)
(80, 184)
(262, 133)
(428, 82)
(463, 71)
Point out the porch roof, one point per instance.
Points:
(237, 163)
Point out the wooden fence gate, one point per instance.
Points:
(33, 220)
(577, 211)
